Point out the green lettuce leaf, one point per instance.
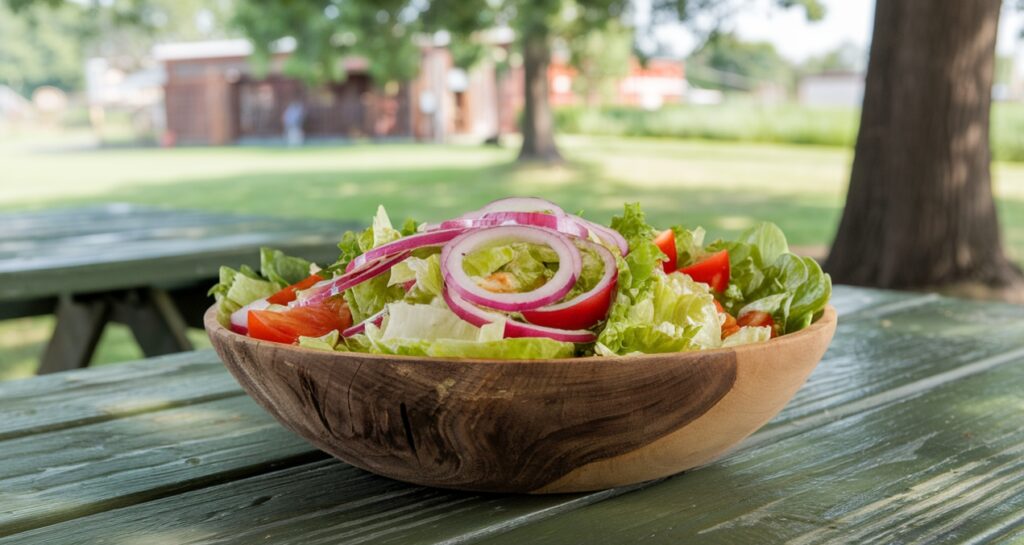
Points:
(326, 342)
(237, 289)
(524, 266)
(748, 335)
(765, 276)
(676, 314)
(689, 245)
(435, 331)
(370, 297)
(282, 269)
(426, 272)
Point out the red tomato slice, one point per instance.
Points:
(287, 294)
(579, 316)
(757, 318)
(312, 321)
(712, 270)
(666, 242)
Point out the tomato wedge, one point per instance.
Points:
(757, 318)
(666, 242)
(712, 270)
(287, 294)
(311, 321)
(582, 315)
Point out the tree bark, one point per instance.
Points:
(538, 123)
(920, 211)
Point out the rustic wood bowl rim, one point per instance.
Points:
(214, 327)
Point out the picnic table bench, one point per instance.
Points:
(910, 430)
(146, 267)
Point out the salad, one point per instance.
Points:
(521, 279)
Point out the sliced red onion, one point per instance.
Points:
(561, 224)
(404, 244)
(610, 276)
(376, 320)
(240, 317)
(607, 234)
(480, 317)
(334, 286)
(455, 277)
(517, 204)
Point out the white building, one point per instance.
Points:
(832, 89)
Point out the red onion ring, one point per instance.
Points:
(480, 317)
(536, 219)
(404, 244)
(517, 204)
(334, 286)
(610, 276)
(240, 317)
(376, 320)
(607, 234)
(455, 277)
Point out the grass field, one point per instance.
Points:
(723, 186)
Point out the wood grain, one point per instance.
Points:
(942, 467)
(524, 426)
(331, 502)
(78, 471)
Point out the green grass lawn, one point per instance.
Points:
(722, 186)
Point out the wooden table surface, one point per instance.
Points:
(910, 430)
(147, 267)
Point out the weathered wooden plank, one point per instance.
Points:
(322, 502)
(77, 398)
(877, 351)
(381, 513)
(943, 467)
(78, 471)
(945, 462)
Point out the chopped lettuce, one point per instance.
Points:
(426, 275)
(325, 342)
(765, 276)
(677, 314)
(434, 330)
(689, 245)
(236, 289)
(651, 311)
(282, 269)
(748, 335)
(520, 266)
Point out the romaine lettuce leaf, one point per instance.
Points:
(748, 335)
(282, 269)
(689, 245)
(326, 342)
(676, 314)
(237, 289)
(426, 272)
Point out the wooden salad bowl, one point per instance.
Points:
(537, 426)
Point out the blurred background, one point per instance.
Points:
(708, 113)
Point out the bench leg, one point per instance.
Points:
(155, 322)
(79, 326)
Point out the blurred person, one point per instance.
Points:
(292, 118)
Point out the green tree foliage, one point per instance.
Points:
(35, 53)
(726, 62)
(46, 42)
(601, 58)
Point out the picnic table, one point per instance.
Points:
(146, 267)
(910, 430)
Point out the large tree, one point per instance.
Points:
(920, 211)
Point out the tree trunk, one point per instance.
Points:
(920, 211)
(538, 123)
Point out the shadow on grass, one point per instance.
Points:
(435, 194)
